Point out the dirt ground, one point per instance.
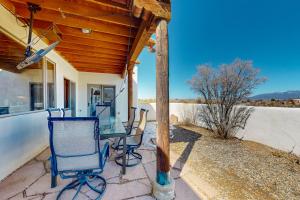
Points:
(237, 169)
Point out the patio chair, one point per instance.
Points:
(134, 141)
(128, 126)
(66, 112)
(54, 112)
(76, 153)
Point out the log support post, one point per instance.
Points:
(130, 90)
(163, 188)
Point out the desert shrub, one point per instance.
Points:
(222, 90)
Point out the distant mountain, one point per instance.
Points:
(278, 95)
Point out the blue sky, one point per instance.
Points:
(218, 31)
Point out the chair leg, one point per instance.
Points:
(53, 181)
(84, 180)
(71, 185)
(136, 155)
(130, 152)
(102, 190)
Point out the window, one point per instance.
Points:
(50, 84)
(23, 90)
(70, 96)
(67, 93)
(20, 90)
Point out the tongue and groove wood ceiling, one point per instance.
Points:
(114, 25)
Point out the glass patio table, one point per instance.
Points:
(114, 128)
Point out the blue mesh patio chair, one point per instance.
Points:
(76, 153)
(66, 112)
(55, 112)
(128, 126)
(134, 141)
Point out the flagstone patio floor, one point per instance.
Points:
(32, 181)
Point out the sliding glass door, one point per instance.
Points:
(100, 95)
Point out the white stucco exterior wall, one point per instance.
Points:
(101, 79)
(24, 136)
(275, 127)
(116, 80)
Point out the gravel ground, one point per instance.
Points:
(238, 169)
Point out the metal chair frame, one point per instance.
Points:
(64, 111)
(131, 148)
(81, 176)
(49, 110)
(128, 126)
(128, 129)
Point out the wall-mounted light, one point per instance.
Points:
(86, 30)
(0, 70)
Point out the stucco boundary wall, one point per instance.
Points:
(276, 127)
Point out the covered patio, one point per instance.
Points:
(32, 181)
(93, 64)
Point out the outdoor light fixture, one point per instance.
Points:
(86, 30)
(34, 57)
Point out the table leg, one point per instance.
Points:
(124, 155)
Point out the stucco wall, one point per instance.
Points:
(22, 137)
(275, 127)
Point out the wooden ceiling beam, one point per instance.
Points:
(95, 62)
(12, 52)
(75, 21)
(65, 30)
(112, 5)
(94, 43)
(15, 58)
(79, 47)
(92, 64)
(160, 9)
(145, 31)
(87, 10)
(151, 11)
(88, 65)
(99, 71)
(8, 5)
(90, 54)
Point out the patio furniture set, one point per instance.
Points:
(79, 147)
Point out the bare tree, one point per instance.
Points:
(222, 90)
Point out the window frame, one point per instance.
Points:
(45, 88)
(45, 68)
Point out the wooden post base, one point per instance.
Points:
(164, 192)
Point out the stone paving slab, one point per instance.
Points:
(21, 179)
(184, 191)
(42, 185)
